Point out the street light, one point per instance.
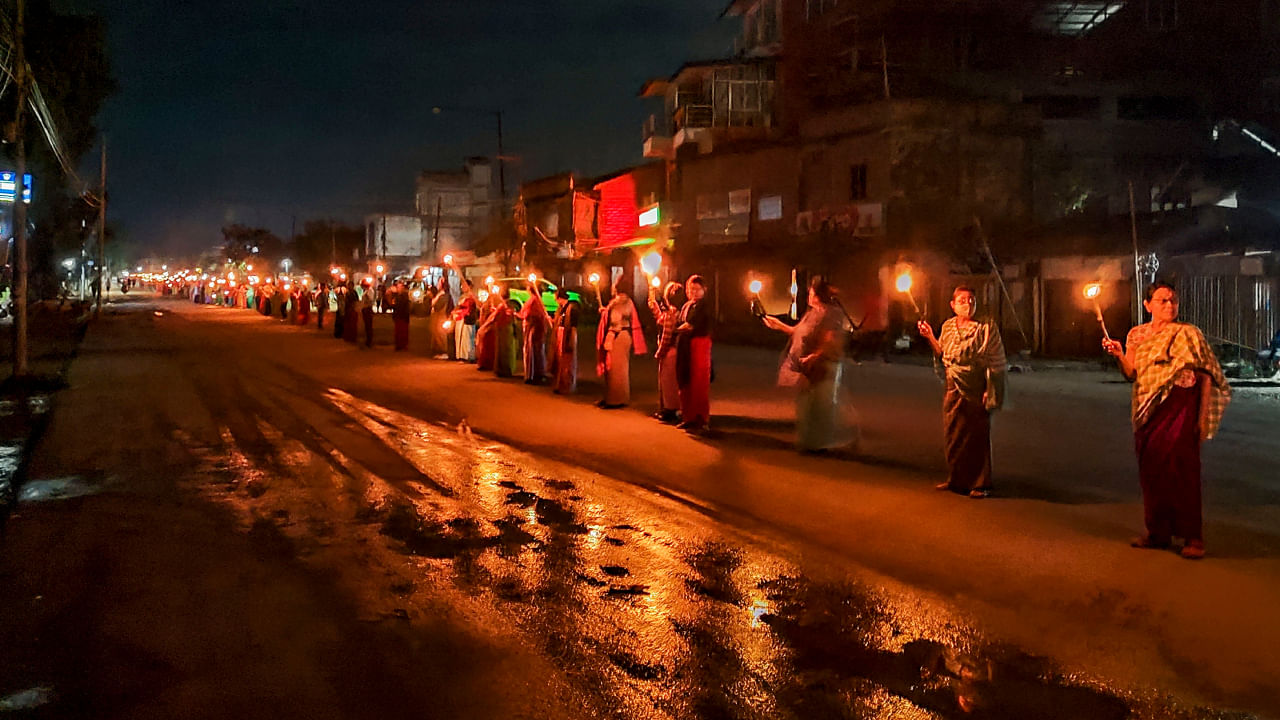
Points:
(497, 114)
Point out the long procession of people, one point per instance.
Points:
(1178, 398)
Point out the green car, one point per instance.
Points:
(548, 289)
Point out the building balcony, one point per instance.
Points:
(657, 146)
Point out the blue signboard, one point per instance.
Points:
(8, 186)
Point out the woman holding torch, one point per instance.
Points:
(1179, 396)
(974, 367)
(535, 322)
(812, 366)
(667, 313)
(486, 331)
(503, 320)
(693, 357)
(465, 317)
(441, 307)
(618, 335)
(566, 350)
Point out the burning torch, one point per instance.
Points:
(594, 279)
(651, 263)
(757, 307)
(1092, 292)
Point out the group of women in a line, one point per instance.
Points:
(1178, 399)
(485, 332)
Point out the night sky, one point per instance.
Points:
(257, 111)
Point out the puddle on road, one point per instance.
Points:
(62, 488)
(649, 609)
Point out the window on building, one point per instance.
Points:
(770, 208)
(858, 182)
(724, 217)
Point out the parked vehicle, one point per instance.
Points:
(546, 289)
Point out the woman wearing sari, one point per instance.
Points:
(350, 315)
(667, 313)
(1179, 396)
(618, 335)
(303, 298)
(536, 322)
(486, 333)
(441, 307)
(693, 358)
(503, 319)
(566, 350)
(465, 317)
(812, 365)
(973, 364)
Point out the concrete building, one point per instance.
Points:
(396, 242)
(854, 139)
(456, 208)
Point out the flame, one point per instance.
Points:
(1092, 291)
(904, 282)
(447, 324)
(533, 277)
(448, 259)
(483, 295)
(656, 282)
(651, 262)
(756, 286)
(595, 278)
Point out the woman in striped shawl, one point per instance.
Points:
(971, 355)
(1179, 395)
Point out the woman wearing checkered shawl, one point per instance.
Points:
(667, 313)
(1179, 395)
(971, 356)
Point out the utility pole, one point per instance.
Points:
(102, 227)
(1137, 266)
(19, 204)
(435, 230)
(502, 163)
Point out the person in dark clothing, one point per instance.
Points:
(339, 310)
(400, 307)
(351, 312)
(693, 357)
(322, 304)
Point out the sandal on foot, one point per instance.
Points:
(1193, 550)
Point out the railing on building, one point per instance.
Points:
(1238, 311)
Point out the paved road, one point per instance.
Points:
(279, 524)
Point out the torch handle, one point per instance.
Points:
(1098, 311)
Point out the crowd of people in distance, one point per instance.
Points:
(1179, 390)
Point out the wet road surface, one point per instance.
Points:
(643, 602)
